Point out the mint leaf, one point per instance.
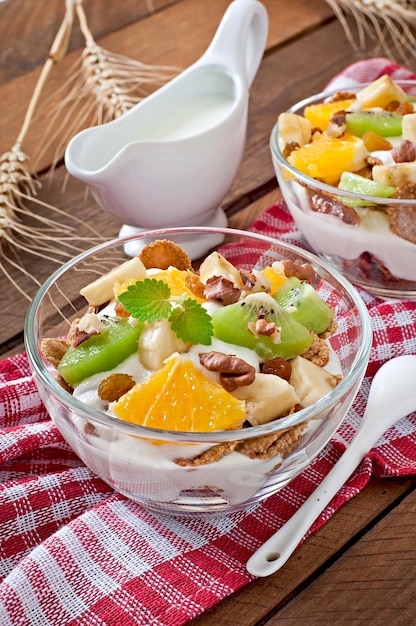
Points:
(191, 322)
(147, 300)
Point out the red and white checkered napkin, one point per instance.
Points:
(73, 552)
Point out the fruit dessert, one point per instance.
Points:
(364, 143)
(169, 347)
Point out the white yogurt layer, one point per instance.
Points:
(328, 234)
(133, 464)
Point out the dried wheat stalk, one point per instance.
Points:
(380, 20)
(101, 86)
(22, 229)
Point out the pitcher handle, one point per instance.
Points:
(240, 39)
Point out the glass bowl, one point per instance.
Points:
(369, 254)
(140, 462)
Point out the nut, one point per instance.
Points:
(264, 327)
(323, 204)
(278, 367)
(114, 386)
(303, 271)
(405, 152)
(54, 349)
(222, 289)
(234, 372)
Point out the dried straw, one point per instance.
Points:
(43, 236)
(389, 23)
(101, 86)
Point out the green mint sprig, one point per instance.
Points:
(149, 300)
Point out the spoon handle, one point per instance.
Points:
(274, 553)
(388, 401)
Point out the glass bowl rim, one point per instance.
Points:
(331, 189)
(355, 373)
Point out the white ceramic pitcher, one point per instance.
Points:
(171, 159)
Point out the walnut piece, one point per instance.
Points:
(234, 372)
(324, 204)
(114, 386)
(264, 327)
(342, 95)
(401, 108)
(83, 328)
(405, 152)
(337, 125)
(278, 367)
(302, 271)
(222, 289)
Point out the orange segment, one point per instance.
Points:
(320, 114)
(180, 397)
(176, 279)
(327, 157)
(276, 280)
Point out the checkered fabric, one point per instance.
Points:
(74, 552)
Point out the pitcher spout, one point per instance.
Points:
(170, 160)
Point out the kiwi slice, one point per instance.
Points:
(363, 186)
(381, 122)
(100, 353)
(235, 324)
(304, 304)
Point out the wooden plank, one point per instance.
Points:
(182, 32)
(281, 595)
(374, 582)
(281, 80)
(27, 28)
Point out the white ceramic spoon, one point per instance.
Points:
(392, 396)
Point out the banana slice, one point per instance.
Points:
(409, 127)
(157, 342)
(310, 381)
(267, 398)
(380, 92)
(293, 128)
(216, 265)
(395, 175)
(102, 290)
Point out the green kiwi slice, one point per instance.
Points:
(235, 324)
(381, 122)
(304, 304)
(101, 352)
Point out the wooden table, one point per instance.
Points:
(360, 568)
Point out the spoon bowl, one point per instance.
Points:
(391, 397)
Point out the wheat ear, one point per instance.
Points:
(43, 237)
(376, 19)
(101, 86)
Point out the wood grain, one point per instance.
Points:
(318, 566)
(182, 32)
(283, 78)
(373, 582)
(27, 28)
(360, 568)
